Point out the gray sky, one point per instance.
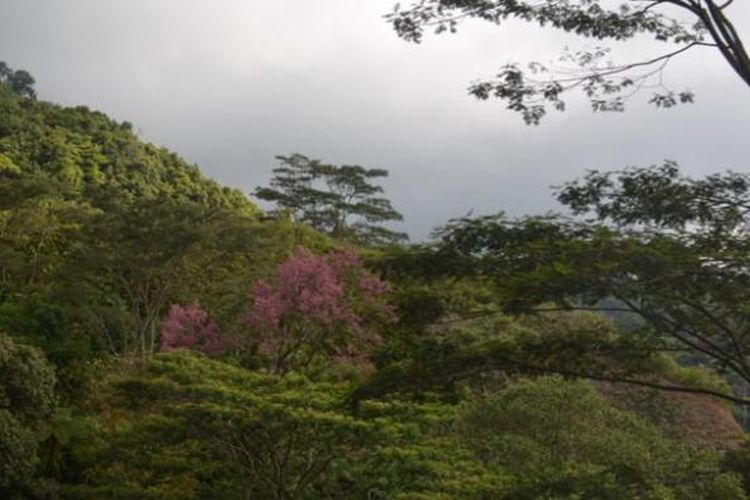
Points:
(229, 84)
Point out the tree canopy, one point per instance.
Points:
(27, 399)
(534, 88)
(670, 249)
(187, 426)
(19, 81)
(339, 200)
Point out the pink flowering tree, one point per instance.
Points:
(317, 307)
(191, 327)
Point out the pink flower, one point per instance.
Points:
(318, 304)
(191, 327)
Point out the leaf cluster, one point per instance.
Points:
(532, 89)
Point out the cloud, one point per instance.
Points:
(231, 83)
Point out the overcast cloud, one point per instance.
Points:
(229, 84)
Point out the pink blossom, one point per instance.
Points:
(318, 305)
(372, 287)
(191, 327)
(268, 306)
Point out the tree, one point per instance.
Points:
(530, 91)
(670, 249)
(326, 306)
(132, 259)
(191, 327)
(195, 427)
(38, 230)
(27, 401)
(187, 426)
(20, 81)
(566, 441)
(338, 200)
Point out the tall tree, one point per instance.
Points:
(531, 90)
(671, 249)
(339, 200)
(134, 257)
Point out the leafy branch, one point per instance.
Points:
(607, 86)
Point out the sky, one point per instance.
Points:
(230, 84)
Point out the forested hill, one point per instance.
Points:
(99, 230)
(90, 155)
(159, 339)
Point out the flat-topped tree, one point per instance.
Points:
(670, 249)
(341, 201)
(530, 90)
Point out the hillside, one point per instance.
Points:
(99, 229)
(90, 154)
(160, 339)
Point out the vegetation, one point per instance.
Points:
(669, 249)
(319, 306)
(160, 338)
(188, 426)
(27, 401)
(338, 200)
(532, 90)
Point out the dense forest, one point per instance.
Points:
(163, 337)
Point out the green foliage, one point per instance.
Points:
(98, 230)
(480, 350)
(19, 81)
(27, 401)
(660, 198)
(691, 376)
(188, 426)
(97, 159)
(328, 197)
(18, 459)
(738, 461)
(27, 382)
(566, 441)
(669, 249)
(534, 88)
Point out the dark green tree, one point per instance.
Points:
(20, 81)
(670, 249)
(530, 90)
(134, 259)
(339, 200)
(27, 401)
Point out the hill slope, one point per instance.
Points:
(90, 153)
